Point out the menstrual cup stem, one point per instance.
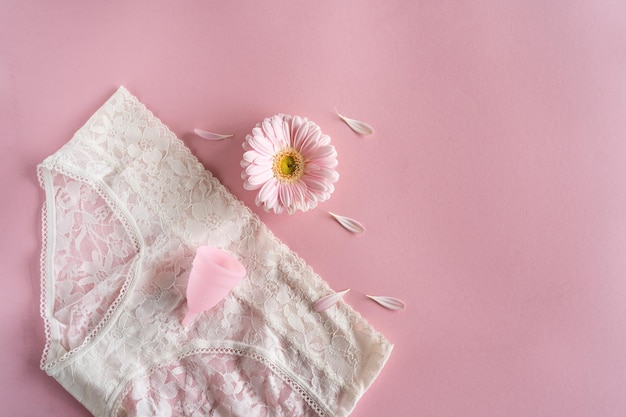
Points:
(189, 318)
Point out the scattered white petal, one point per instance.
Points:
(350, 224)
(330, 300)
(358, 126)
(391, 303)
(210, 135)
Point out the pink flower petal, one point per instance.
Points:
(261, 145)
(314, 183)
(358, 126)
(281, 132)
(277, 140)
(248, 186)
(328, 301)
(268, 194)
(348, 223)
(321, 152)
(325, 174)
(311, 141)
(285, 194)
(299, 190)
(250, 156)
(257, 131)
(390, 303)
(259, 179)
(300, 133)
(210, 135)
(324, 140)
(254, 170)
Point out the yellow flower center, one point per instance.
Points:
(288, 165)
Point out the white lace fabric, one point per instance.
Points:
(127, 204)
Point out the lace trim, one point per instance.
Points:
(315, 405)
(43, 284)
(46, 253)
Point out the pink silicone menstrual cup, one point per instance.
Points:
(213, 275)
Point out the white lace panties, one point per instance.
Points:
(127, 205)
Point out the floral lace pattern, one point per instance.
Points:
(127, 205)
(214, 383)
(93, 259)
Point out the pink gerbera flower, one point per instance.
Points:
(291, 162)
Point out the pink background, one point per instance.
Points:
(493, 191)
